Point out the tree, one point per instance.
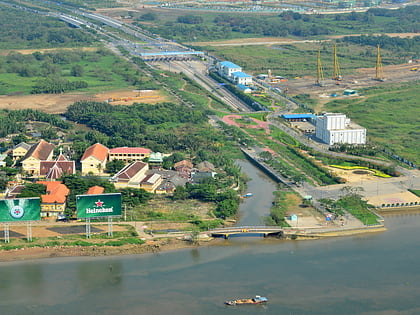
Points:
(77, 71)
(114, 166)
(149, 16)
(134, 196)
(32, 190)
(180, 193)
(226, 208)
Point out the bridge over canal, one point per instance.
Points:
(247, 231)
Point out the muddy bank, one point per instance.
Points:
(152, 246)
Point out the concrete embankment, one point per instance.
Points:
(347, 232)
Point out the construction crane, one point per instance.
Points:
(336, 73)
(320, 72)
(379, 73)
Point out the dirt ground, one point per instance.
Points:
(58, 103)
(307, 216)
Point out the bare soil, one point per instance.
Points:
(58, 103)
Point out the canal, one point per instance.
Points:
(364, 274)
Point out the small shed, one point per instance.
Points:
(294, 217)
(349, 92)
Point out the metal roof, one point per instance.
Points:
(229, 64)
(241, 74)
(298, 116)
(172, 53)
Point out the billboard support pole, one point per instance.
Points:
(87, 227)
(29, 231)
(109, 226)
(6, 233)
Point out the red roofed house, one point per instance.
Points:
(41, 151)
(95, 190)
(131, 175)
(128, 155)
(55, 169)
(94, 159)
(53, 202)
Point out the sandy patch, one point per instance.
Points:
(402, 199)
(58, 103)
(5, 52)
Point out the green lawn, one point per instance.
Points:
(101, 72)
(299, 59)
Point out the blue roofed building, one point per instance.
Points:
(244, 88)
(240, 77)
(226, 68)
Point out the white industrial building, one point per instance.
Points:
(233, 72)
(241, 78)
(334, 128)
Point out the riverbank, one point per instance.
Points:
(151, 246)
(155, 245)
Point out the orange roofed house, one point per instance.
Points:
(41, 151)
(53, 202)
(94, 159)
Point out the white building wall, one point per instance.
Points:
(333, 128)
(335, 121)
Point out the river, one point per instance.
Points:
(365, 274)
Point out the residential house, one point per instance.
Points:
(155, 160)
(151, 182)
(94, 159)
(95, 190)
(20, 150)
(199, 177)
(184, 168)
(53, 170)
(41, 151)
(14, 190)
(169, 185)
(53, 202)
(131, 175)
(129, 155)
(205, 166)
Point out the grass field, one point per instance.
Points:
(391, 115)
(299, 59)
(101, 72)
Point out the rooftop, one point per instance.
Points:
(241, 74)
(129, 150)
(97, 150)
(298, 116)
(229, 64)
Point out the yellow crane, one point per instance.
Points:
(379, 72)
(336, 66)
(320, 71)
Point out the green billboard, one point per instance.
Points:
(101, 205)
(20, 209)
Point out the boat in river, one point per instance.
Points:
(256, 300)
(247, 195)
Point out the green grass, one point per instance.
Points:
(299, 59)
(415, 191)
(390, 114)
(101, 72)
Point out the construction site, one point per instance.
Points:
(321, 86)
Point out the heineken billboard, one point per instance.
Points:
(20, 209)
(101, 205)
